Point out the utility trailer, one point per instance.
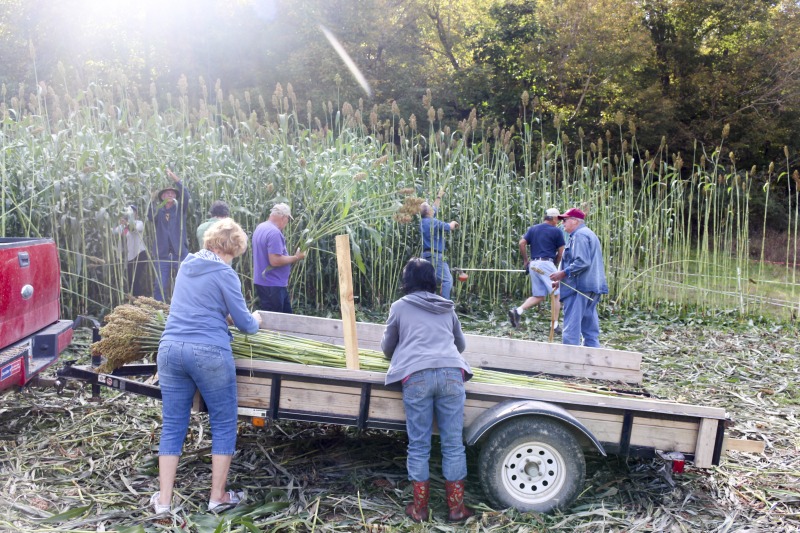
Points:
(532, 442)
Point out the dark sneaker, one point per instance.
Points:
(557, 330)
(513, 317)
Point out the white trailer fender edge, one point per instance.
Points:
(515, 408)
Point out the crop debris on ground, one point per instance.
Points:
(70, 464)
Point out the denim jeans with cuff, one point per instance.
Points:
(438, 391)
(183, 368)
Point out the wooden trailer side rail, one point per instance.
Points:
(624, 426)
(627, 426)
(484, 352)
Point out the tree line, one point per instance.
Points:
(676, 69)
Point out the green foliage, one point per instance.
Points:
(671, 230)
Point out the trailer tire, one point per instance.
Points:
(532, 464)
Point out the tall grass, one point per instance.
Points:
(674, 227)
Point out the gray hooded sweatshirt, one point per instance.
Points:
(423, 332)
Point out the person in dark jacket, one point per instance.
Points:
(584, 281)
(424, 341)
(195, 354)
(171, 242)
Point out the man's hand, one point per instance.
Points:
(257, 317)
(527, 267)
(440, 195)
(558, 276)
(453, 225)
(299, 255)
(172, 175)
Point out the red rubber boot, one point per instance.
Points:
(455, 501)
(418, 509)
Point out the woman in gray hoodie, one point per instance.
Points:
(424, 341)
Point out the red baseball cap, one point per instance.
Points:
(573, 213)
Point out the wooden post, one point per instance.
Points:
(346, 301)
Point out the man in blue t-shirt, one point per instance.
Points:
(272, 264)
(433, 242)
(546, 242)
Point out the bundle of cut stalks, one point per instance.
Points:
(133, 332)
(272, 346)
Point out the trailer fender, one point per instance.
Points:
(516, 408)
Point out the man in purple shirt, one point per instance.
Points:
(271, 262)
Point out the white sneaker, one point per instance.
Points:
(234, 499)
(157, 507)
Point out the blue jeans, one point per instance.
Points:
(167, 269)
(443, 275)
(439, 391)
(274, 299)
(183, 368)
(580, 319)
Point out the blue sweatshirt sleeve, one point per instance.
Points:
(237, 308)
(390, 335)
(458, 336)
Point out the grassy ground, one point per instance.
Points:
(72, 465)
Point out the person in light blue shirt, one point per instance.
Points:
(433, 232)
(582, 280)
(195, 354)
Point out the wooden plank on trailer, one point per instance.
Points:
(674, 440)
(640, 405)
(706, 437)
(319, 401)
(532, 356)
(743, 445)
(254, 395)
(483, 351)
(346, 301)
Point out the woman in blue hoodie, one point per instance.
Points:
(424, 341)
(195, 354)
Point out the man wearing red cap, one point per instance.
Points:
(584, 280)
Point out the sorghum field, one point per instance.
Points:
(689, 289)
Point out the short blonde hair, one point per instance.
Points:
(225, 236)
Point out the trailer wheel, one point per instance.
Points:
(532, 464)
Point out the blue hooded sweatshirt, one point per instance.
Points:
(423, 332)
(206, 292)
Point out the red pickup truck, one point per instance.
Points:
(31, 334)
